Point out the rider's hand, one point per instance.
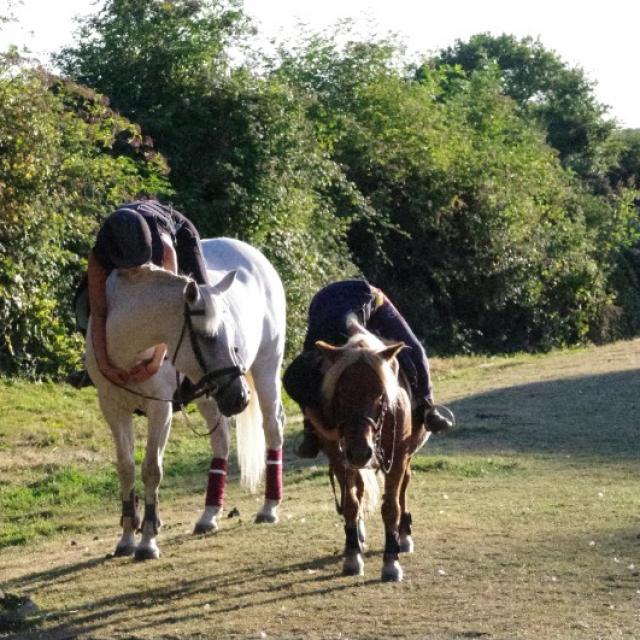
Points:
(115, 374)
(142, 372)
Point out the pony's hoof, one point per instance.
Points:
(266, 518)
(406, 544)
(146, 553)
(205, 527)
(392, 572)
(353, 566)
(124, 550)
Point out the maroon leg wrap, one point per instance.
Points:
(215, 486)
(273, 490)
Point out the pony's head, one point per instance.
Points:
(359, 391)
(214, 345)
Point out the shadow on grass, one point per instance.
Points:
(168, 604)
(591, 416)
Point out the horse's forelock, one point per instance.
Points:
(362, 347)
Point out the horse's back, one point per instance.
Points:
(260, 293)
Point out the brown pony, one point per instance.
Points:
(367, 407)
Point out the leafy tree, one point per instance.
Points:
(548, 90)
(486, 242)
(244, 160)
(65, 160)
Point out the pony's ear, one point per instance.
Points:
(225, 283)
(330, 352)
(390, 352)
(191, 292)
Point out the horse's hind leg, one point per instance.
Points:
(121, 425)
(266, 378)
(404, 539)
(218, 426)
(159, 414)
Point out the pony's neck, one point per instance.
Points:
(145, 309)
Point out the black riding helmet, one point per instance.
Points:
(128, 238)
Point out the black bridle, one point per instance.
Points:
(376, 425)
(210, 383)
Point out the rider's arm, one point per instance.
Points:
(169, 258)
(98, 302)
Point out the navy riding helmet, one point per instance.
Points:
(129, 238)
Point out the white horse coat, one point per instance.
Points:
(239, 321)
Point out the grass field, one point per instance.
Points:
(525, 521)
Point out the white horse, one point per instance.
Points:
(228, 338)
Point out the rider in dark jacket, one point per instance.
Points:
(136, 233)
(328, 314)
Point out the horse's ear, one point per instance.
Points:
(225, 283)
(390, 352)
(191, 292)
(330, 352)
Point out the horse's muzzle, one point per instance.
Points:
(234, 399)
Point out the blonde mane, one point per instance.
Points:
(362, 347)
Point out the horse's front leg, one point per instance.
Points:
(121, 425)
(391, 569)
(159, 418)
(266, 378)
(353, 564)
(218, 427)
(405, 540)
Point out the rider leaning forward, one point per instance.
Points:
(328, 319)
(137, 233)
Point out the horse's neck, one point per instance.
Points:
(142, 312)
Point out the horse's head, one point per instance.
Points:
(359, 391)
(216, 365)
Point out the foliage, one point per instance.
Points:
(505, 248)
(244, 160)
(548, 91)
(65, 160)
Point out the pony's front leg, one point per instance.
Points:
(404, 539)
(159, 418)
(121, 425)
(353, 564)
(218, 427)
(266, 378)
(391, 569)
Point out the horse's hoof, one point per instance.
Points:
(392, 572)
(266, 518)
(205, 527)
(353, 566)
(146, 553)
(406, 544)
(124, 550)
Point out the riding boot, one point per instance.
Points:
(310, 445)
(436, 422)
(79, 379)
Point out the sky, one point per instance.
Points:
(599, 36)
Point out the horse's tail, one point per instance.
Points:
(250, 441)
(371, 489)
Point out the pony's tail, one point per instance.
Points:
(250, 441)
(371, 489)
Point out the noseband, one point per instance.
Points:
(212, 382)
(376, 425)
